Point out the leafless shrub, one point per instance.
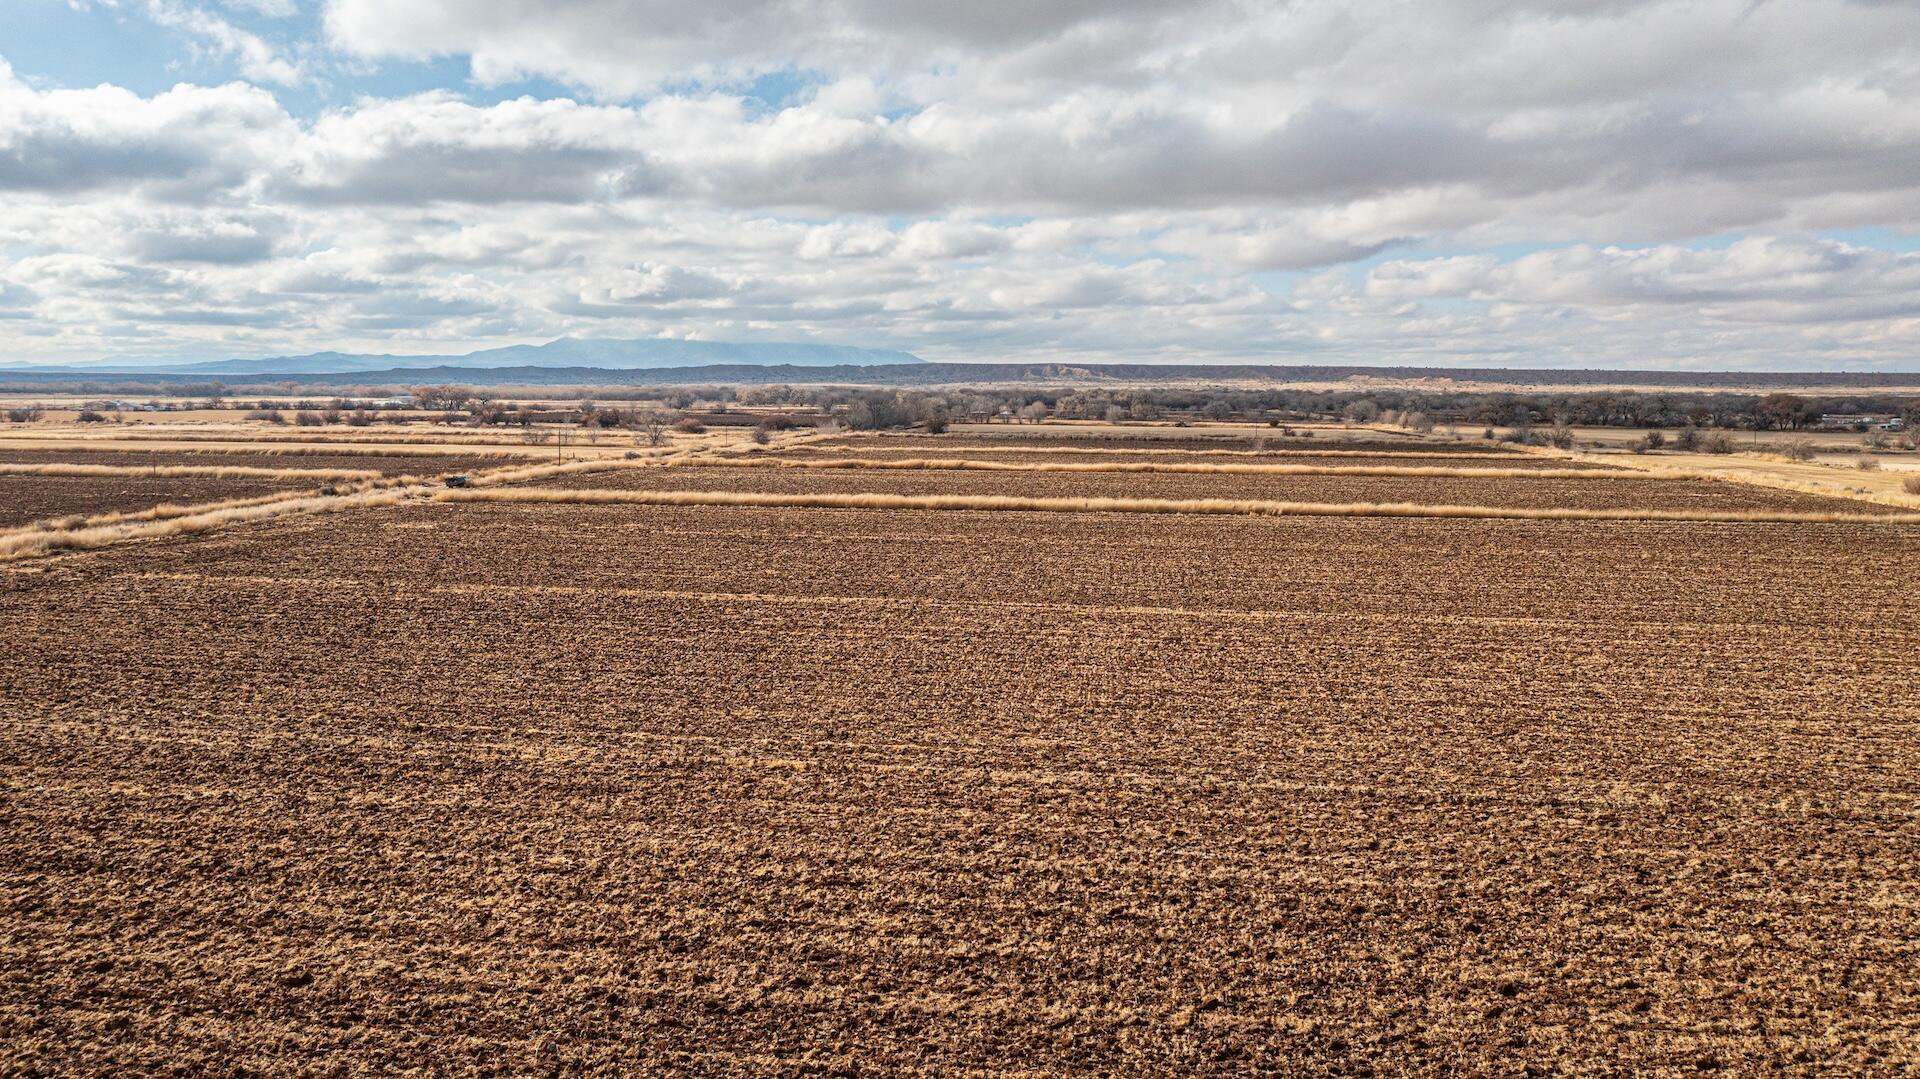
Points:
(1797, 449)
(1716, 442)
(650, 427)
(690, 426)
(307, 417)
(1866, 464)
(1911, 485)
(1649, 442)
(269, 415)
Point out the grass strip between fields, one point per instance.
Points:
(1205, 506)
(523, 473)
(960, 464)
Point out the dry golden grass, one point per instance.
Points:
(1205, 506)
(524, 473)
(317, 475)
(1757, 470)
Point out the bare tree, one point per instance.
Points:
(650, 427)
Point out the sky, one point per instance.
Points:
(1562, 183)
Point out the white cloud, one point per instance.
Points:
(256, 59)
(186, 143)
(1058, 180)
(1755, 280)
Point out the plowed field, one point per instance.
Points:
(389, 464)
(1603, 491)
(1174, 441)
(1011, 454)
(513, 788)
(25, 498)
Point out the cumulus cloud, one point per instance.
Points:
(186, 143)
(436, 148)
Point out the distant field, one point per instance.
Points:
(1602, 491)
(1087, 453)
(462, 787)
(392, 465)
(1157, 438)
(26, 498)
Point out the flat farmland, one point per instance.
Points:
(389, 464)
(1605, 491)
(506, 788)
(1012, 454)
(27, 497)
(1173, 440)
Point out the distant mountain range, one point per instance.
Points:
(637, 355)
